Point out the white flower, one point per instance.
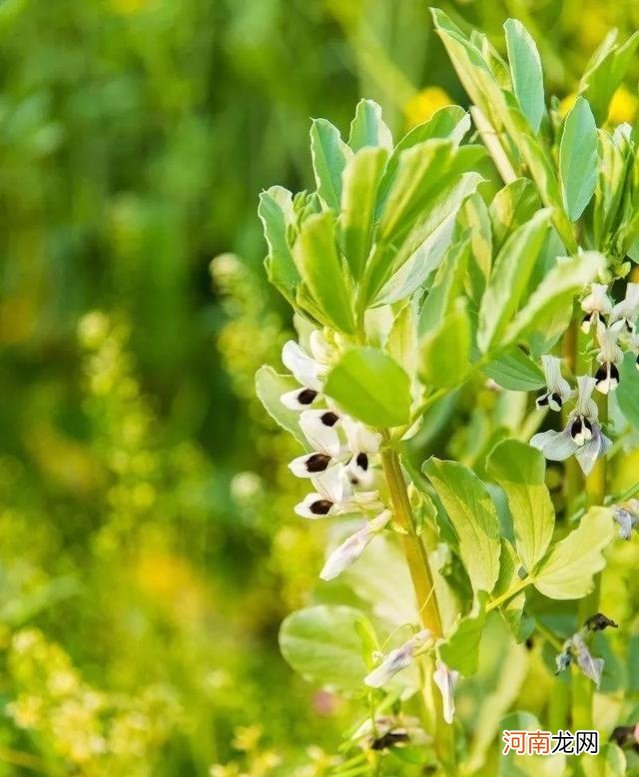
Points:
(353, 547)
(558, 388)
(446, 680)
(625, 313)
(610, 356)
(575, 648)
(363, 443)
(582, 436)
(595, 305)
(308, 371)
(627, 516)
(319, 427)
(398, 659)
(334, 496)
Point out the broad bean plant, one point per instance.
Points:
(465, 394)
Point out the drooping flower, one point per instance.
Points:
(595, 305)
(308, 370)
(387, 732)
(625, 313)
(398, 659)
(575, 649)
(627, 516)
(319, 427)
(363, 443)
(446, 680)
(582, 436)
(557, 388)
(353, 547)
(610, 357)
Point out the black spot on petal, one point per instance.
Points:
(317, 462)
(614, 372)
(362, 461)
(601, 374)
(576, 429)
(321, 507)
(306, 396)
(542, 400)
(588, 425)
(329, 418)
(556, 398)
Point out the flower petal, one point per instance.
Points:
(446, 680)
(320, 429)
(397, 660)
(304, 369)
(299, 399)
(556, 446)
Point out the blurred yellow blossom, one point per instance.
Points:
(424, 104)
(623, 106)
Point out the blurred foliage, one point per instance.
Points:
(148, 550)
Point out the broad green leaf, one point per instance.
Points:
(567, 571)
(371, 386)
(578, 158)
(360, 182)
(444, 351)
(555, 293)
(515, 371)
(525, 71)
(511, 207)
(473, 516)
(368, 127)
(330, 155)
(415, 270)
(512, 611)
(627, 395)
(461, 651)
(605, 72)
(446, 287)
(269, 387)
(321, 644)
(520, 470)
(316, 258)
(401, 343)
(509, 279)
(513, 765)
(475, 217)
(448, 123)
(276, 213)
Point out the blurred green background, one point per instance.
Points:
(148, 550)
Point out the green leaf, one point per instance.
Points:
(276, 213)
(269, 386)
(515, 371)
(317, 260)
(567, 571)
(511, 207)
(368, 127)
(520, 470)
(322, 644)
(473, 516)
(371, 386)
(578, 158)
(525, 71)
(509, 279)
(627, 394)
(461, 651)
(555, 293)
(444, 352)
(605, 72)
(611, 762)
(360, 181)
(330, 155)
(446, 287)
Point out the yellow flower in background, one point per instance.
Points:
(126, 7)
(623, 106)
(424, 104)
(566, 104)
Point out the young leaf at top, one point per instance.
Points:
(525, 71)
(567, 571)
(371, 386)
(360, 182)
(473, 516)
(520, 471)
(330, 155)
(316, 258)
(578, 158)
(276, 213)
(368, 127)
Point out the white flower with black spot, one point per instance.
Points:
(595, 305)
(557, 388)
(625, 313)
(308, 371)
(609, 358)
(398, 659)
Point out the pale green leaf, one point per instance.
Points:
(368, 127)
(627, 395)
(322, 644)
(444, 351)
(269, 387)
(568, 569)
(461, 650)
(511, 207)
(330, 155)
(578, 158)
(473, 516)
(360, 182)
(316, 258)
(520, 470)
(371, 386)
(514, 765)
(515, 371)
(525, 71)
(276, 213)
